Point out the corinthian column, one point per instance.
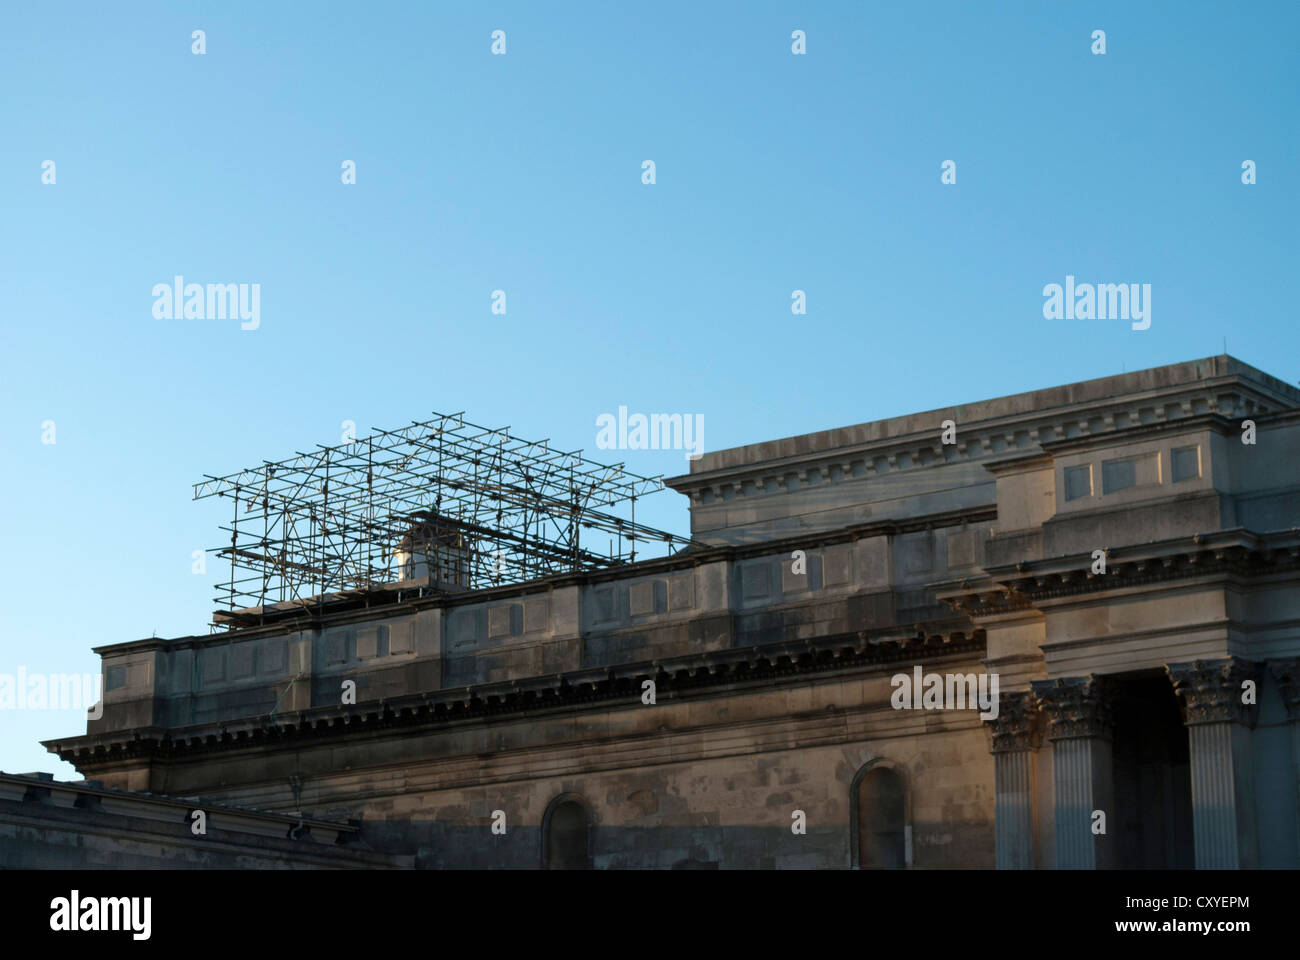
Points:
(1287, 675)
(1015, 738)
(1219, 735)
(1078, 711)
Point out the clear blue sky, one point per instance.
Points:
(522, 172)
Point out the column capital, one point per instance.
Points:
(1211, 690)
(1076, 706)
(1018, 725)
(1287, 675)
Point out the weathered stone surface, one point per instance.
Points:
(773, 686)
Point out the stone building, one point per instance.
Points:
(68, 826)
(1120, 553)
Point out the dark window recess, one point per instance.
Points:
(1118, 475)
(880, 821)
(568, 837)
(1186, 463)
(1078, 482)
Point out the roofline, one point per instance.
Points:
(1009, 408)
(90, 788)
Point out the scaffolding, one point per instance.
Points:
(441, 505)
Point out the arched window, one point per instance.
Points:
(567, 834)
(880, 809)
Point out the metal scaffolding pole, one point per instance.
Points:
(442, 503)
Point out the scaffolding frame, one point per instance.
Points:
(441, 504)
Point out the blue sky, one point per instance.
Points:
(522, 172)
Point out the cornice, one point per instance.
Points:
(1217, 400)
(1237, 553)
(1212, 421)
(40, 788)
(703, 673)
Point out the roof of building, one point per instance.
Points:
(1222, 368)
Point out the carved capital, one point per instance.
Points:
(1018, 725)
(1211, 690)
(1287, 675)
(1076, 707)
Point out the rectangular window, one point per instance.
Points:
(1118, 475)
(1078, 482)
(1186, 463)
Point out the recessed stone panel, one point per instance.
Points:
(212, 665)
(1186, 463)
(1078, 482)
(641, 598)
(139, 674)
(499, 621)
(336, 647)
(401, 637)
(367, 643)
(274, 655)
(462, 628)
(537, 615)
(242, 660)
(792, 582)
(1117, 475)
(918, 553)
(603, 601)
(755, 580)
(961, 549)
(681, 592)
(837, 565)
